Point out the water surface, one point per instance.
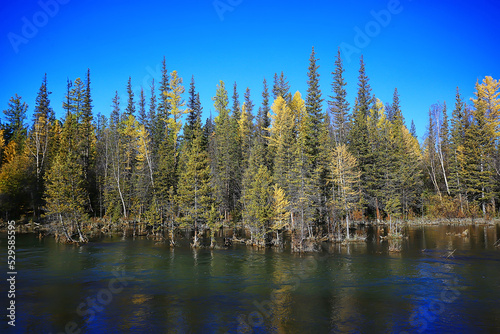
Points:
(437, 282)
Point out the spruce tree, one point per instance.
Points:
(164, 90)
(38, 141)
(143, 117)
(130, 109)
(281, 87)
(338, 103)
(457, 136)
(195, 191)
(413, 129)
(236, 103)
(15, 115)
(358, 134)
(314, 110)
(225, 154)
(193, 121)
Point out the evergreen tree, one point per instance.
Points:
(262, 127)
(194, 192)
(38, 142)
(314, 110)
(358, 135)
(281, 87)
(236, 103)
(248, 102)
(338, 103)
(66, 195)
(164, 90)
(130, 109)
(257, 202)
(15, 181)
(87, 144)
(168, 172)
(225, 155)
(458, 125)
(379, 179)
(246, 130)
(475, 155)
(413, 129)
(193, 122)
(263, 120)
(15, 115)
(143, 117)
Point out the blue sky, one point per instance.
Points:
(424, 48)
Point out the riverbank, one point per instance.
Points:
(227, 235)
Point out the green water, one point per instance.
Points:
(436, 283)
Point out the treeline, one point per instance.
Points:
(287, 165)
(462, 155)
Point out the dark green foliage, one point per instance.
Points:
(339, 106)
(15, 115)
(281, 87)
(281, 172)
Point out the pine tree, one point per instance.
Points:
(476, 153)
(358, 135)
(458, 125)
(263, 120)
(195, 192)
(394, 200)
(15, 181)
(257, 199)
(248, 102)
(38, 142)
(281, 141)
(130, 109)
(168, 172)
(143, 117)
(236, 103)
(430, 155)
(262, 127)
(380, 177)
(115, 192)
(164, 90)
(246, 130)
(193, 122)
(281, 87)
(413, 129)
(87, 143)
(65, 194)
(303, 178)
(151, 119)
(225, 154)
(314, 110)
(338, 103)
(15, 115)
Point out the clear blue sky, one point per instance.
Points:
(425, 49)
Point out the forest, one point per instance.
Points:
(286, 167)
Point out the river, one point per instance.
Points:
(440, 280)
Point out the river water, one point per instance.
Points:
(438, 281)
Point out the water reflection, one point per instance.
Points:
(358, 287)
